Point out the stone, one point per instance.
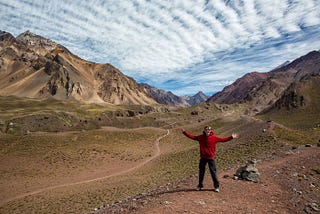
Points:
(314, 206)
(195, 112)
(248, 172)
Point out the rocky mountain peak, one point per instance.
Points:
(200, 94)
(36, 41)
(196, 99)
(5, 35)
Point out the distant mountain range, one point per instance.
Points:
(36, 67)
(168, 98)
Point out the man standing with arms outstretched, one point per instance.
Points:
(207, 142)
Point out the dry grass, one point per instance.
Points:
(40, 160)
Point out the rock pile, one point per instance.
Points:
(248, 172)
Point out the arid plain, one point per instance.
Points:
(101, 157)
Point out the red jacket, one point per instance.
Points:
(207, 144)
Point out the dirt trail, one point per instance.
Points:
(288, 184)
(157, 152)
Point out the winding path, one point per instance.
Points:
(156, 154)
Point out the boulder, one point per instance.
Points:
(248, 172)
(195, 112)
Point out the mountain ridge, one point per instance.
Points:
(262, 90)
(37, 67)
(168, 98)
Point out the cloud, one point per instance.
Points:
(161, 42)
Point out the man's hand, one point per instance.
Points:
(182, 130)
(234, 135)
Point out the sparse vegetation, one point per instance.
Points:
(90, 147)
(317, 170)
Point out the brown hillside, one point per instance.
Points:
(274, 87)
(299, 106)
(237, 91)
(32, 66)
(262, 90)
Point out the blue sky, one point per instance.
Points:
(180, 46)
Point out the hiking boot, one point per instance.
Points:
(198, 188)
(216, 190)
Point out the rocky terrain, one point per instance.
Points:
(289, 183)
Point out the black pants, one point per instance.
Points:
(213, 170)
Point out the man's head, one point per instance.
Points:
(207, 130)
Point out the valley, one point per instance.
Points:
(82, 137)
(79, 167)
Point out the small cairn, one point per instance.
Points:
(249, 172)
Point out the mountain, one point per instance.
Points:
(196, 99)
(168, 98)
(299, 94)
(36, 67)
(262, 91)
(237, 91)
(164, 97)
(282, 65)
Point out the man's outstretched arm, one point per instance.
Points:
(189, 135)
(225, 139)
